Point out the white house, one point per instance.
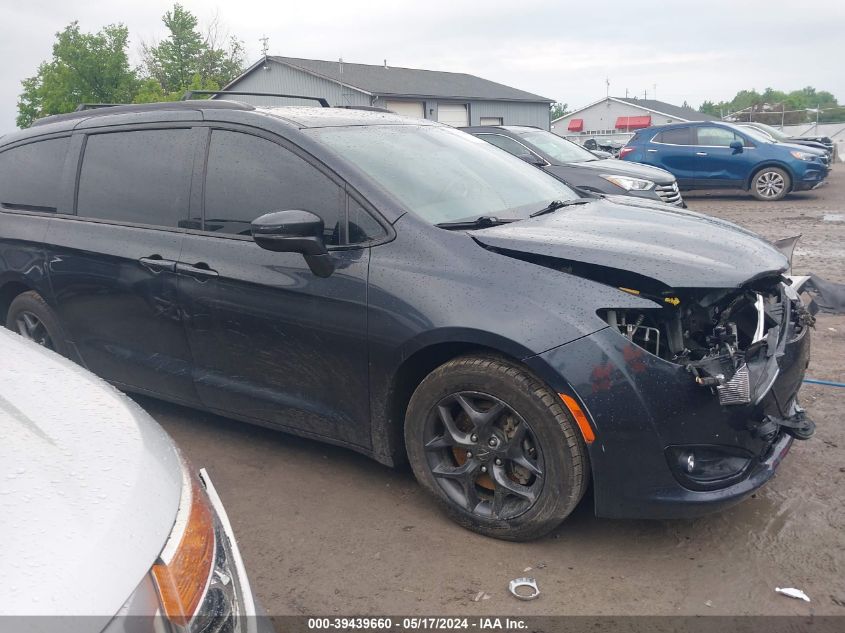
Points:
(622, 115)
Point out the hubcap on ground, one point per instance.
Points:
(770, 184)
(484, 455)
(31, 327)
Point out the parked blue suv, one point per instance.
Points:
(715, 155)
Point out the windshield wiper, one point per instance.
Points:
(554, 205)
(479, 223)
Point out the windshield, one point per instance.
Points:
(774, 133)
(755, 134)
(443, 175)
(558, 148)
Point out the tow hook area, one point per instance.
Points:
(798, 425)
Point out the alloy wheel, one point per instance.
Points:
(31, 327)
(484, 455)
(770, 184)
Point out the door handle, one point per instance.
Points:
(651, 150)
(199, 271)
(157, 264)
(701, 153)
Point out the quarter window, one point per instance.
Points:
(249, 176)
(675, 136)
(142, 177)
(30, 175)
(362, 226)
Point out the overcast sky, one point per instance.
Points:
(561, 50)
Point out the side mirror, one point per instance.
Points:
(531, 159)
(294, 231)
(736, 146)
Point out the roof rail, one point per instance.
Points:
(94, 106)
(365, 108)
(189, 94)
(95, 110)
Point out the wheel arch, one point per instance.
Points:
(9, 290)
(415, 363)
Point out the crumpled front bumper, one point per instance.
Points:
(641, 405)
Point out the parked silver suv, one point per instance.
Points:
(101, 516)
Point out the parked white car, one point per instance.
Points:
(101, 515)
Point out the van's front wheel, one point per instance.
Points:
(31, 317)
(496, 447)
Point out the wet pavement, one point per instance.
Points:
(326, 531)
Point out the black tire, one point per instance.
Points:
(771, 184)
(559, 453)
(31, 317)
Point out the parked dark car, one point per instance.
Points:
(604, 144)
(576, 166)
(409, 291)
(823, 143)
(715, 155)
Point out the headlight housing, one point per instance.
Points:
(197, 574)
(802, 155)
(628, 183)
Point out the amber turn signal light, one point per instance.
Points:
(580, 418)
(182, 574)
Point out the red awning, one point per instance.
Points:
(576, 125)
(633, 122)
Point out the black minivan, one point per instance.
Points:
(412, 292)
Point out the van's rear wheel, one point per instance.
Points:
(496, 447)
(770, 183)
(31, 317)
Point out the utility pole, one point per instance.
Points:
(654, 96)
(265, 48)
(607, 83)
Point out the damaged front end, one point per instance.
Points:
(730, 341)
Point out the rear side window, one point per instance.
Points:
(143, 177)
(675, 136)
(30, 175)
(249, 176)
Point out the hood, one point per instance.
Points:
(676, 247)
(804, 148)
(824, 140)
(809, 143)
(617, 167)
(89, 487)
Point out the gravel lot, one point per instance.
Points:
(326, 531)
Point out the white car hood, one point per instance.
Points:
(89, 487)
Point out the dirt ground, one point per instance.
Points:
(326, 531)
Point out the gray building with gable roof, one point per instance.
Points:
(456, 99)
(622, 116)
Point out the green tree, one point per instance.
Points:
(187, 54)
(84, 68)
(708, 107)
(776, 106)
(558, 110)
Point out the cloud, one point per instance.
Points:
(560, 50)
